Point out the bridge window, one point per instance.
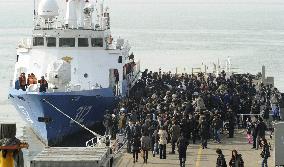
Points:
(67, 42)
(38, 41)
(83, 42)
(97, 42)
(51, 42)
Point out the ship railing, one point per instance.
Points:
(117, 89)
(134, 75)
(25, 43)
(117, 146)
(92, 142)
(95, 141)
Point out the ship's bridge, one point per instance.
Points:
(69, 38)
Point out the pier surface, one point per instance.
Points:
(198, 157)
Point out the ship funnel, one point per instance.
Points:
(48, 9)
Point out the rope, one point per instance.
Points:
(83, 126)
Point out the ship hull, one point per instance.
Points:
(56, 129)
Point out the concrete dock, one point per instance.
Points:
(198, 157)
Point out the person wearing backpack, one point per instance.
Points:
(182, 147)
(221, 162)
(265, 153)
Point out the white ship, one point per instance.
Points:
(85, 68)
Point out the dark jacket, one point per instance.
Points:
(129, 132)
(217, 123)
(221, 162)
(204, 129)
(182, 147)
(265, 153)
(136, 144)
(261, 128)
(236, 161)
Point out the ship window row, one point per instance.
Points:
(68, 42)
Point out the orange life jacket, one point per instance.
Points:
(30, 81)
(34, 80)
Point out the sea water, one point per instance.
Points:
(167, 34)
(172, 34)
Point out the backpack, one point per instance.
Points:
(224, 162)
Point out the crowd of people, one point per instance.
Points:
(181, 109)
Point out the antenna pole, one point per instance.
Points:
(34, 9)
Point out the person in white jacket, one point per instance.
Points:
(163, 142)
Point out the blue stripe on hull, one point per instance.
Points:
(88, 108)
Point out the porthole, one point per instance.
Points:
(85, 75)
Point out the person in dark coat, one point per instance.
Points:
(185, 127)
(217, 124)
(182, 147)
(260, 131)
(137, 129)
(204, 131)
(129, 136)
(265, 153)
(175, 133)
(231, 120)
(254, 134)
(108, 123)
(135, 147)
(192, 128)
(43, 84)
(221, 161)
(236, 160)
